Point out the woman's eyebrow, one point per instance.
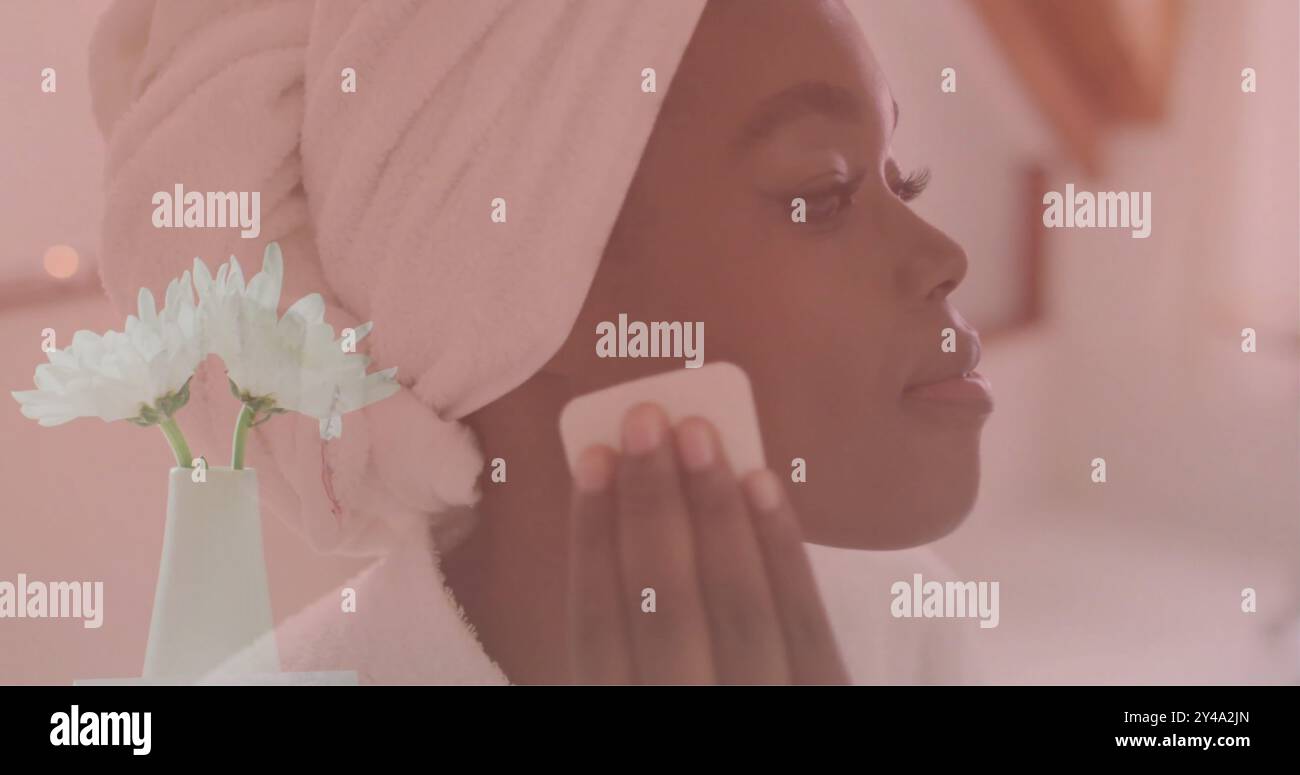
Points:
(798, 101)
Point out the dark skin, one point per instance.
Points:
(833, 320)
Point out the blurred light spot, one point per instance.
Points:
(61, 261)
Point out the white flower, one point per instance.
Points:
(289, 363)
(141, 374)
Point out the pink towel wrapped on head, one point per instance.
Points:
(382, 200)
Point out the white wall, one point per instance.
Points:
(51, 192)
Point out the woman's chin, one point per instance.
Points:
(899, 520)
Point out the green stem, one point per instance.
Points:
(241, 435)
(177, 441)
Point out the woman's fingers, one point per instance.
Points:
(746, 631)
(600, 649)
(734, 596)
(812, 653)
(671, 643)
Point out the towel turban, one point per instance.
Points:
(381, 200)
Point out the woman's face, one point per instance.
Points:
(834, 319)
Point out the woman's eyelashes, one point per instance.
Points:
(827, 199)
(910, 186)
(906, 187)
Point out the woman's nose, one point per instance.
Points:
(930, 264)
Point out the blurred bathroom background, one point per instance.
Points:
(1097, 344)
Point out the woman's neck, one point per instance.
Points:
(510, 574)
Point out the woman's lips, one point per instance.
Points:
(970, 391)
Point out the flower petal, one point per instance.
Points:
(148, 312)
(310, 308)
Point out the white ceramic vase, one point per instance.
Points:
(212, 598)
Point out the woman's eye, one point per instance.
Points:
(826, 200)
(828, 204)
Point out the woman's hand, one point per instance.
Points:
(735, 598)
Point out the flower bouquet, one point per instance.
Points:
(212, 597)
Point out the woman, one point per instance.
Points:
(838, 321)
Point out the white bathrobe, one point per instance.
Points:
(407, 628)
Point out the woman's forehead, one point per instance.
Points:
(754, 65)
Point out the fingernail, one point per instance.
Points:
(764, 489)
(592, 472)
(695, 445)
(643, 429)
